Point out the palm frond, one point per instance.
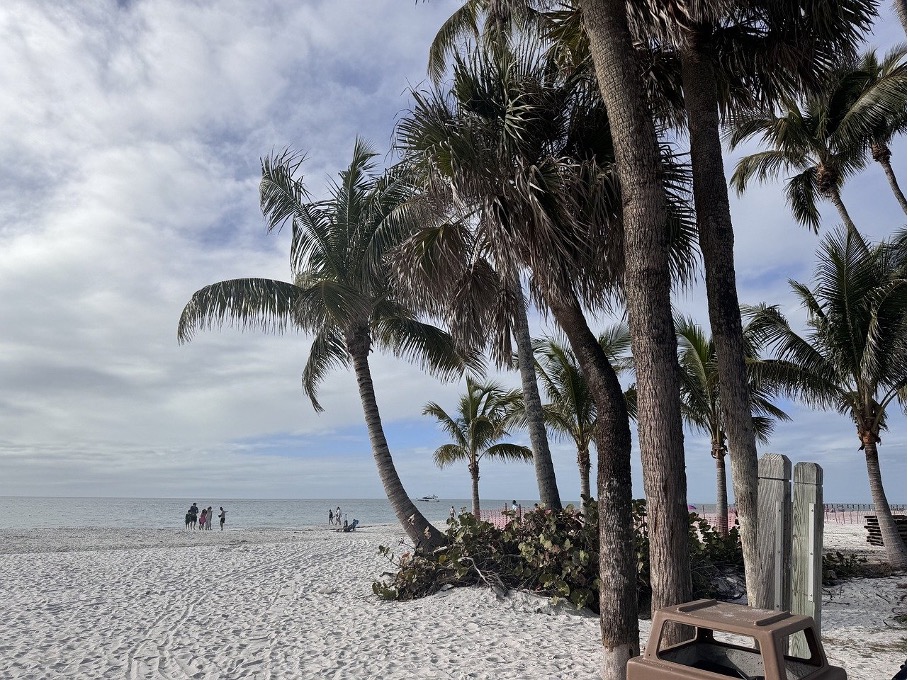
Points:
(508, 452)
(327, 352)
(261, 304)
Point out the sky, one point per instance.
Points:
(129, 167)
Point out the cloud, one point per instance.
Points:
(129, 179)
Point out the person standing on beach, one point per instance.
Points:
(337, 515)
(330, 517)
(222, 517)
(208, 520)
(193, 515)
(203, 519)
(453, 514)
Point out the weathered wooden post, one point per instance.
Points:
(807, 549)
(774, 532)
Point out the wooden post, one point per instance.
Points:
(807, 550)
(774, 534)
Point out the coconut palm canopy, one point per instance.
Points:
(341, 294)
(853, 357)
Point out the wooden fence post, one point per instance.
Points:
(774, 532)
(807, 550)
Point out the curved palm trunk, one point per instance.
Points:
(648, 297)
(418, 528)
(583, 462)
(542, 456)
(895, 546)
(836, 199)
(881, 155)
(721, 492)
(474, 480)
(617, 562)
(717, 238)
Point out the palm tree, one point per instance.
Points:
(505, 148)
(340, 295)
(803, 139)
(701, 403)
(482, 417)
(647, 287)
(874, 92)
(571, 410)
(728, 56)
(447, 269)
(853, 358)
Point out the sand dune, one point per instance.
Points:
(90, 603)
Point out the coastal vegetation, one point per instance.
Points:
(340, 294)
(701, 399)
(483, 415)
(555, 554)
(541, 166)
(571, 410)
(852, 358)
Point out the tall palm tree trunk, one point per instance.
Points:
(881, 155)
(583, 462)
(717, 238)
(648, 297)
(836, 198)
(474, 481)
(542, 456)
(617, 563)
(418, 528)
(721, 492)
(895, 546)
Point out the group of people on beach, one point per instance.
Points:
(196, 520)
(335, 517)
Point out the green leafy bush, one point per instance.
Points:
(837, 565)
(553, 553)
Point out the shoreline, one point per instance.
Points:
(146, 603)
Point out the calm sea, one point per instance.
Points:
(18, 512)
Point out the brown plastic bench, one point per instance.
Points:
(723, 640)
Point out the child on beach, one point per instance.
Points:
(203, 518)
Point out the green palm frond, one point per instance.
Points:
(327, 352)
(762, 165)
(448, 454)
(509, 452)
(801, 193)
(483, 413)
(257, 304)
(423, 344)
(874, 99)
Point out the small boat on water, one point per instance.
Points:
(430, 499)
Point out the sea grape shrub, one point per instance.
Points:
(549, 552)
(473, 548)
(837, 565)
(714, 559)
(559, 553)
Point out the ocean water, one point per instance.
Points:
(17, 512)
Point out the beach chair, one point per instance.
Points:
(351, 527)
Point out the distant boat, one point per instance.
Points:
(430, 499)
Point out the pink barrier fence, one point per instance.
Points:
(837, 513)
(852, 513)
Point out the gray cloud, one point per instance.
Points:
(130, 160)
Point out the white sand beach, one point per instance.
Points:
(100, 603)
